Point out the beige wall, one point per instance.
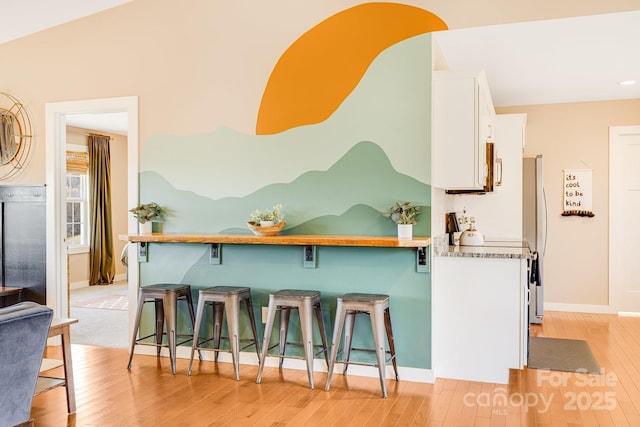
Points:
(198, 64)
(79, 263)
(576, 136)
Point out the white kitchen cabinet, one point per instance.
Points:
(499, 214)
(479, 318)
(463, 116)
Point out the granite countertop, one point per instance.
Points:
(491, 249)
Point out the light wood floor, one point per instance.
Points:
(109, 395)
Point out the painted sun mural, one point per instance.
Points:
(324, 65)
(349, 101)
(342, 132)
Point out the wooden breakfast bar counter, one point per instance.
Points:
(285, 239)
(307, 241)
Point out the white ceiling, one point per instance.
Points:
(546, 62)
(24, 17)
(541, 62)
(105, 122)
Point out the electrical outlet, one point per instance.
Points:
(423, 261)
(265, 311)
(143, 254)
(309, 259)
(215, 254)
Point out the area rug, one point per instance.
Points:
(558, 354)
(106, 302)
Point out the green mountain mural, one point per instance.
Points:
(350, 195)
(359, 220)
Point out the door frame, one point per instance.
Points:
(56, 140)
(617, 236)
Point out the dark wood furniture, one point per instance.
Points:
(7, 292)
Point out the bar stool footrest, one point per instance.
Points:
(284, 356)
(139, 341)
(226, 350)
(299, 344)
(363, 363)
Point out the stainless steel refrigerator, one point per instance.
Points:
(534, 230)
(23, 240)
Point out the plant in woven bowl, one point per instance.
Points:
(268, 222)
(268, 217)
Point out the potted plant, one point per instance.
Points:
(146, 214)
(268, 222)
(268, 217)
(404, 214)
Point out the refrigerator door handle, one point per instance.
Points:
(539, 302)
(546, 226)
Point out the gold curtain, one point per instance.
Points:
(101, 259)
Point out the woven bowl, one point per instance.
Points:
(272, 230)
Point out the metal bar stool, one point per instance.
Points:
(165, 297)
(306, 302)
(225, 299)
(377, 307)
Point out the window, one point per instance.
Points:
(77, 210)
(77, 199)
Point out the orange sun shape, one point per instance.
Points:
(319, 70)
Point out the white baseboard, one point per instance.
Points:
(79, 285)
(85, 283)
(628, 314)
(248, 358)
(579, 308)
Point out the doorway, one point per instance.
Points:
(624, 204)
(101, 311)
(56, 122)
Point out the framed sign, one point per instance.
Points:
(577, 192)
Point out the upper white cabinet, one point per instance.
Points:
(463, 117)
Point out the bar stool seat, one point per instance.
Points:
(225, 299)
(377, 307)
(165, 297)
(307, 303)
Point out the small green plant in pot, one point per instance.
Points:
(405, 215)
(268, 217)
(146, 214)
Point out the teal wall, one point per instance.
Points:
(334, 177)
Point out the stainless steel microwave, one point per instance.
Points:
(494, 173)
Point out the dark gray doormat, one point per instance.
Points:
(558, 354)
